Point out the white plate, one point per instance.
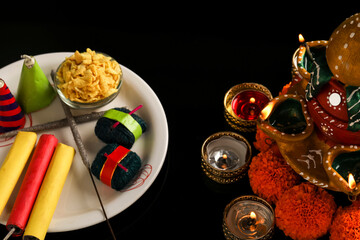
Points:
(78, 206)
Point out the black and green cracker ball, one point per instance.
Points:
(122, 175)
(119, 134)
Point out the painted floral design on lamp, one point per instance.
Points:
(331, 83)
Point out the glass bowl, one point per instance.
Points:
(80, 105)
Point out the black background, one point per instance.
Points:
(190, 56)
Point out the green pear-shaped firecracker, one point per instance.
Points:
(34, 90)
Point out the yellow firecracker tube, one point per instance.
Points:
(49, 193)
(14, 164)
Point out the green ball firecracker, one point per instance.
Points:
(119, 125)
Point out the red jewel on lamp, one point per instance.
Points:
(248, 104)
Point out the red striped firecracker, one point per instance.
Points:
(11, 116)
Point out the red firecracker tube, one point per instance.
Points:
(31, 183)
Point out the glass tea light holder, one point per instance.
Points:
(248, 217)
(225, 157)
(243, 104)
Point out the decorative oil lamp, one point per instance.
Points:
(286, 120)
(316, 121)
(341, 165)
(243, 104)
(248, 217)
(319, 75)
(225, 157)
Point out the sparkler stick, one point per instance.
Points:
(55, 124)
(83, 154)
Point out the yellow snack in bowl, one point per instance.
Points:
(88, 77)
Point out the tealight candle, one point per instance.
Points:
(248, 104)
(226, 153)
(225, 156)
(248, 217)
(243, 104)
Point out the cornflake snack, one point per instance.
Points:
(88, 77)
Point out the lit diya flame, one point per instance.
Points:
(351, 181)
(303, 43)
(265, 113)
(301, 38)
(253, 215)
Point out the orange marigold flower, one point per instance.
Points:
(270, 176)
(305, 212)
(264, 142)
(346, 223)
